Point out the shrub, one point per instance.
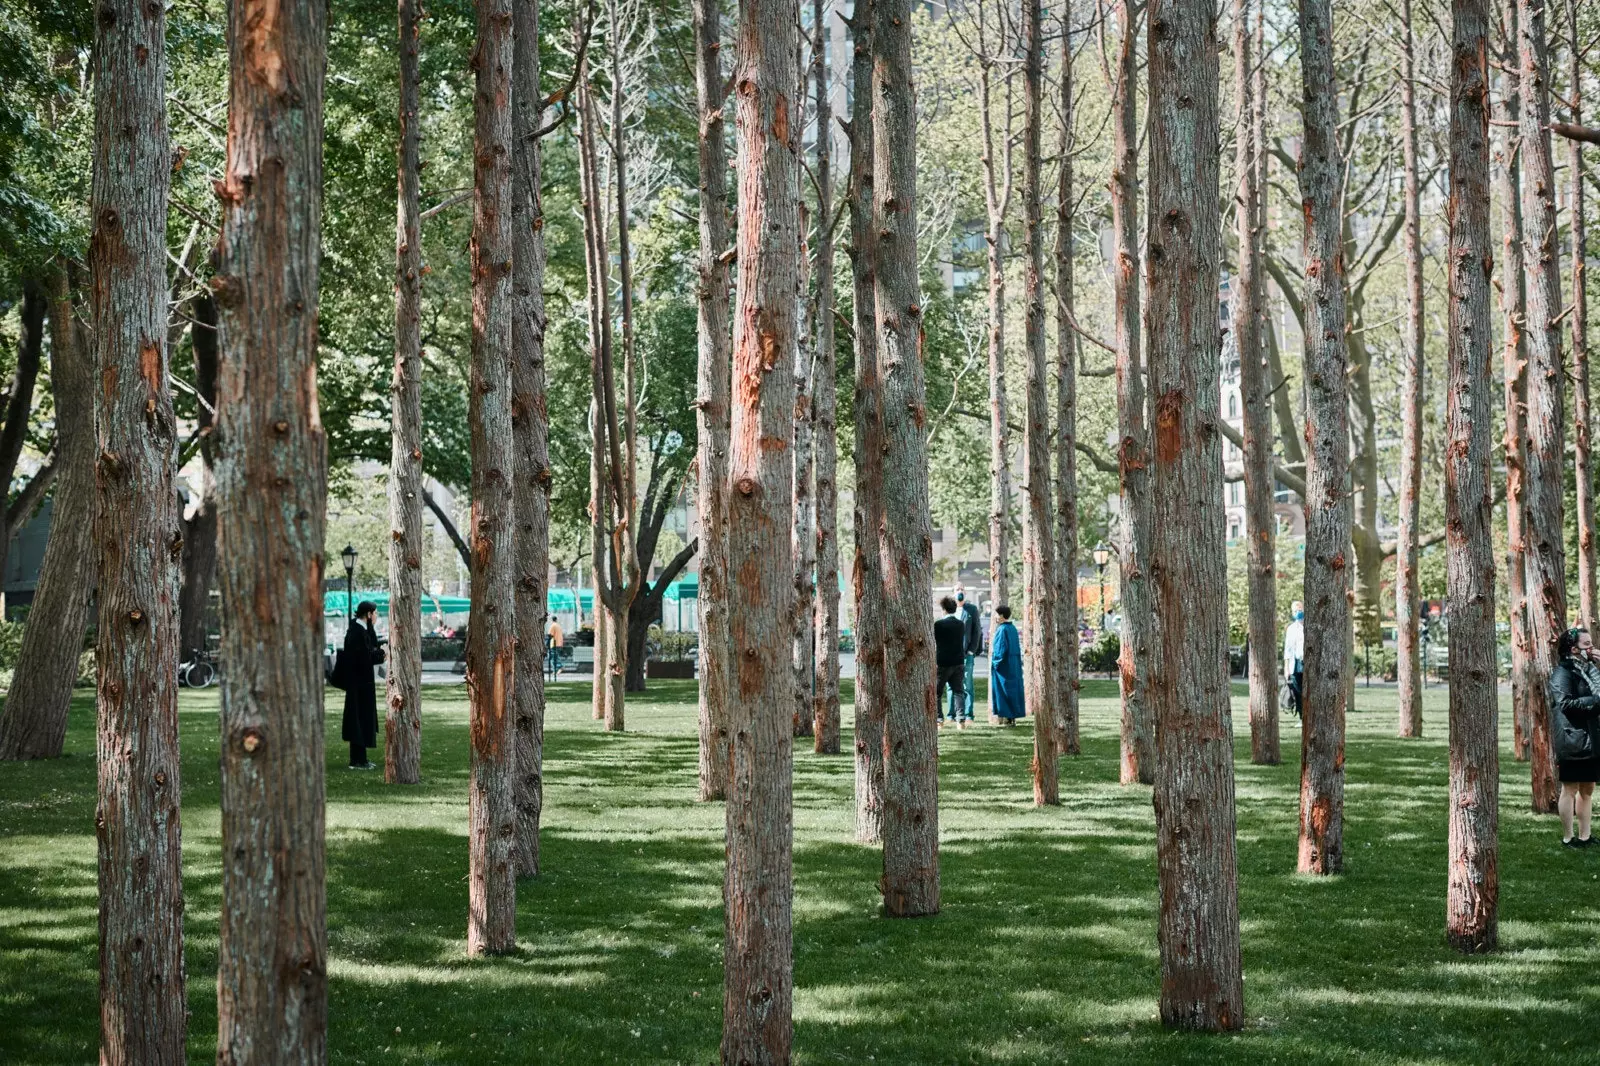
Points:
(1101, 657)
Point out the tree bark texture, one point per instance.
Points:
(997, 175)
(1133, 458)
(35, 721)
(200, 531)
(910, 741)
(1327, 574)
(1546, 429)
(711, 418)
(530, 432)
(1513, 303)
(143, 1009)
(758, 951)
(1248, 311)
(1038, 535)
(1066, 500)
(491, 645)
(1472, 896)
(402, 750)
(824, 411)
(1202, 983)
(1407, 598)
(1582, 429)
(867, 569)
(272, 984)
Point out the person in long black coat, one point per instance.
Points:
(361, 653)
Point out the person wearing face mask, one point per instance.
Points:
(1574, 691)
(1294, 654)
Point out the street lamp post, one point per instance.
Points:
(349, 556)
(1102, 555)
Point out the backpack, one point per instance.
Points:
(337, 670)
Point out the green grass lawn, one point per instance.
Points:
(1045, 950)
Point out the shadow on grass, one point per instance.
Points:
(1045, 950)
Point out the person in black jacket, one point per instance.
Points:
(949, 648)
(1574, 703)
(361, 654)
(969, 615)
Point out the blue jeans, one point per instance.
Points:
(967, 676)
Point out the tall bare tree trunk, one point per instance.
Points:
(758, 950)
(1038, 535)
(910, 740)
(600, 693)
(711, 419)
(1327, 578)
(35, 721)
(402, 749)
(803, 622)
(1581, 427)
(492, 639)
(1546, 458)
(1133, 458)
(1066, 501)
(1474, 879)
(1202, 983)
(19, 401)
(530, 429)
(1513, 305)
(199, 567)
(1407, 599)
(997, 178)
(824, 410)
(143, 1009)
(1248, 307)
(272, 485)
(867, 571)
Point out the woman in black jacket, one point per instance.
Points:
(361, 654)
(1574, 703)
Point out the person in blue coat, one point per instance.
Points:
(1005, 669)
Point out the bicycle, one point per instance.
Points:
(198, 672)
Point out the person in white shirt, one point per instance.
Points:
(1294, 654)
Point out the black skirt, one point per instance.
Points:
(1578, 771)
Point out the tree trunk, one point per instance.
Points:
(804, 551)
(19, 399)
(824, 408)
(758, 951)
(272, 486)
(1327, 575)
(143, 1009)
(1066, 546)
(1133, 460)
(1474, 878)
(1202, 983)
(1248, 310)
(402, 751)
(530, 431)
(1581, 428)
(600, 692)
(492, 632)
(910, 741)
(1038, 535)
(1546, 458)
(867, 569)
(1407, 600)
(35, 722)
(200, 532)
(997, 199)
(711, 418)
(1512, 307)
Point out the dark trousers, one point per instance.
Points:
(358, 755)
(951, 677)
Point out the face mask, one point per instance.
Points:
(1299, 615)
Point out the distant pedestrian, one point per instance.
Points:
(974, 646)
(1005, 669)
(1294, 655)
(949, 646)
(554, 640)
(361, 653)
